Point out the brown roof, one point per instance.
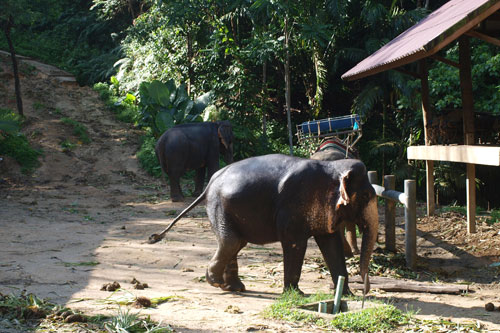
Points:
(427, 37)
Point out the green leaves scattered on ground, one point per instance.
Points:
(26, 312)
(78, 129)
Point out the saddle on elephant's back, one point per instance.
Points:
(338, 145)
(338, 135)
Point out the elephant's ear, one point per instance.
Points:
(225, 134)
(343, 196)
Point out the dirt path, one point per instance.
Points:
(81, 220)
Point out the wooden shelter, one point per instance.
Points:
(456, 20)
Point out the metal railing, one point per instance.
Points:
(408, 199)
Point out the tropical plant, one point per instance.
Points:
(163, 105)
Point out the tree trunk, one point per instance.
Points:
(17, 83)
(131, 9)
(287, 87)
(264, 96)
(190, 61)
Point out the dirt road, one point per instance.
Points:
(82, 220)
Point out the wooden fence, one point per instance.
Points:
(408, 199)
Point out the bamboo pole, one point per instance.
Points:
(390, 215)
(411, 223)
(427, 116)
(468, 125)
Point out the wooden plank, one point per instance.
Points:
(399, 285)
(427, 116)
(470, 187)
(431, 198)
(468, 123)
(446, 61)
(485, 155)
(390, 215)
(484, 37)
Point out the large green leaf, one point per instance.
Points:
(160, 93)
(144, 93)
(186, 107)
(202, 102)
(164, 121)
(170, 84)
(182, 95)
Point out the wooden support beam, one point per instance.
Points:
(483, 37)
(468, 123)
(390, 215)
(398, 285)
(427, 116)
(410, 73)
(485, 155)
(446, 61)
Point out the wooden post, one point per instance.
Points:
(427, 116)
(390, 215)
(411, 223)
(468, 122)
(372, 177)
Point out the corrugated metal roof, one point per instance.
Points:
(427, 37)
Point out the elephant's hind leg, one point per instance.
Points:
(222, 270)
(232, 281)
(199, 181)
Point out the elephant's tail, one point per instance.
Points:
(154, 238)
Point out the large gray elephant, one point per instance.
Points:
(279, 198)
(194, 146)
(331, 150)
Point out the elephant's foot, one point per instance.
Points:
(213, 280)
(177, 198)
(235, 285)
(347, 251)
(293, 288)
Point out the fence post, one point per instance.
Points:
(411, 223)
(390, 215)
(372, 177)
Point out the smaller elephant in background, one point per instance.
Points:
(194, 146)
(331, 150)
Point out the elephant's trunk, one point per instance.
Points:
(370, 230)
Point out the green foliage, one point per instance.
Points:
(384, 318)
(9, 122)
(124, 107)
(78, 129)
(445, 82)
(67, 34)
(494, 217)
(125, 321)
(147, 156)
(285, 306)
(23, 308)
(14, 143)
(163, 105)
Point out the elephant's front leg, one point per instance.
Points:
(293, 257)
(332, 250)
(199, 181)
